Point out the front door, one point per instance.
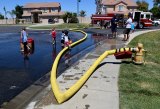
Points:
(35, 18)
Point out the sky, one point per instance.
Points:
(66, 5)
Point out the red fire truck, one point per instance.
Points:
(141, 19)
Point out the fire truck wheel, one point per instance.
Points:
(141, 25)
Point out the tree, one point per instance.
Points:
(156, 11)
(18, 11)
(1, 16)
(156, 2)
(69, 17)
(64, 17)
(82, 13)
(74, 14)
(142, 5)
(73, 18)
(5, 12)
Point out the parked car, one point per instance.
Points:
(156, 22)
(50, 21)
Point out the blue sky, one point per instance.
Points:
(67, 5)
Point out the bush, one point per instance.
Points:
(1, 16)
(17, 21)
(73, 20)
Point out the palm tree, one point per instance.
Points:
(12, 14)
(82, 14)
(5, 12)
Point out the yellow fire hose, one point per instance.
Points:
(63, 96)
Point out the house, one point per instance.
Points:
(42, 12)
(115, 6)
(106, 9)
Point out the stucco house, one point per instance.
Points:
(115, 6)
(41, 12)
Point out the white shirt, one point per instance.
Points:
(129, 22)
(66, 39)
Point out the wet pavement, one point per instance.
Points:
(10, 28)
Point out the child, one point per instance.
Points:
(66, 39)
(24, 39)
(62, 39)
(53, 33)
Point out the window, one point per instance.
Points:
(142, 15)
(44, 10)
(120, 7)
(148, 16)
(53, 9)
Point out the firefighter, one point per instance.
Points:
(114, 22)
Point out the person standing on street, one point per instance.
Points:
(114, 22)
(53, 33)
(128, 28)
(66, 40)
(24, 39)
(62, 39)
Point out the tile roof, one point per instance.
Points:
(42, 5)
(114, 2)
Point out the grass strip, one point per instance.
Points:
(139, 85)
(62, 26)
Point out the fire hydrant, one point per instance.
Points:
(138, 58)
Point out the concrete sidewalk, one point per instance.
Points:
(99, 92)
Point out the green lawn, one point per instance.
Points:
(63, 26)
(139, 85)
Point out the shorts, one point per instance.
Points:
(54, 38)
(67, 43)
(113, 29)
(127, 31)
